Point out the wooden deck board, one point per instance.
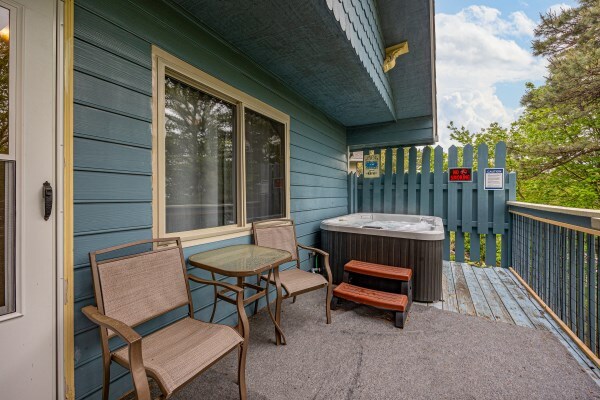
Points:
(516, 312)
(480, 301)
(450, 301)
(468, 289)
(532, 312)
(494, 301)
(463, 295)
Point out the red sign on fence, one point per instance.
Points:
(462, 174)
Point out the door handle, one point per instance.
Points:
(48, 199)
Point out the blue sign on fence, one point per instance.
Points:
(494, 179)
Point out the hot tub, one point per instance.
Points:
(410, 241)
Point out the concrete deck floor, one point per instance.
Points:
(439, 355)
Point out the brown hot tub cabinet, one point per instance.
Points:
(409, 241)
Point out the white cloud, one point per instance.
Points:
(476, 50)
(558, 8)
(522, 24)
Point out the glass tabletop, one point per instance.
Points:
(240, 260)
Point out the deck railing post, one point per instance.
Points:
(560, 264)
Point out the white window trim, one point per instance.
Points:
(163, 62)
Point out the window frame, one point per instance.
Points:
(165, 64)
(12, 273)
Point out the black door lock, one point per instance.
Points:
(48, 199)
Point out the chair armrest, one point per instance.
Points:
(313, 249)
(124, 331)
(229, 286)
(325, 257)
(134, 342)
(242, 317)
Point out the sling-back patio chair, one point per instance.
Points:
(281, 234)
(134, 289)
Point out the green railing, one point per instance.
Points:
(556, 251)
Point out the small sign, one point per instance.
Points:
(494, 179)
(371, 166)
(462, 174)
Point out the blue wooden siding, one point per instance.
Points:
(360, 21)
(113, 149)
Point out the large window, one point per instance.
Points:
(221, 155)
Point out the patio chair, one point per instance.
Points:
(281, 234)
(134, 289)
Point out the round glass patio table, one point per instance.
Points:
(241, 261)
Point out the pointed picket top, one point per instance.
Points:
(468, 156)
(452, 156)
(500, 155)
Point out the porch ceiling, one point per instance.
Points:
(317, 49)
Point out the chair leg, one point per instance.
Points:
(328, 303)
(258, 282)
(293, 299)
(106, 383)
(242, 370)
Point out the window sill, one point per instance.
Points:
(7, 317)
(199, 239)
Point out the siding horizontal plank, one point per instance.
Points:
(102, 125)
(93, 217)
(306, 166)
(85, 244)
(310, 179)
(108, 66)
(102, 186)
(97, 31)
(318, 159)
(98, 93)
(95, 155)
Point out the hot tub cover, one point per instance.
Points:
(416, 227)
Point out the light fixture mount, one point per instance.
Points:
(393, 52)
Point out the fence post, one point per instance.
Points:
(465, 207)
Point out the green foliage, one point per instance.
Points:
(554, 146)
(4, 88)
(571, 42)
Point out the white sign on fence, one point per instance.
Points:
(371, 166)
(494, 179)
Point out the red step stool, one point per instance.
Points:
(399, 303)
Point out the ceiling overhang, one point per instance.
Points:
(332, 52)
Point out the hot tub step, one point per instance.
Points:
(370, 297)
(378, 270)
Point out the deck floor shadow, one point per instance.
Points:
(362, 356)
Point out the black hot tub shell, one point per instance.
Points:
(409, 241)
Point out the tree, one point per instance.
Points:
(570, 40)
(554, 146)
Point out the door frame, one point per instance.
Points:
(64, 200)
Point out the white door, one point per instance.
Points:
(27, 160)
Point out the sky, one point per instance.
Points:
(484, 59)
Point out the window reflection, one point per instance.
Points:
(199, 160)
(265, 168)
(4, 78)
